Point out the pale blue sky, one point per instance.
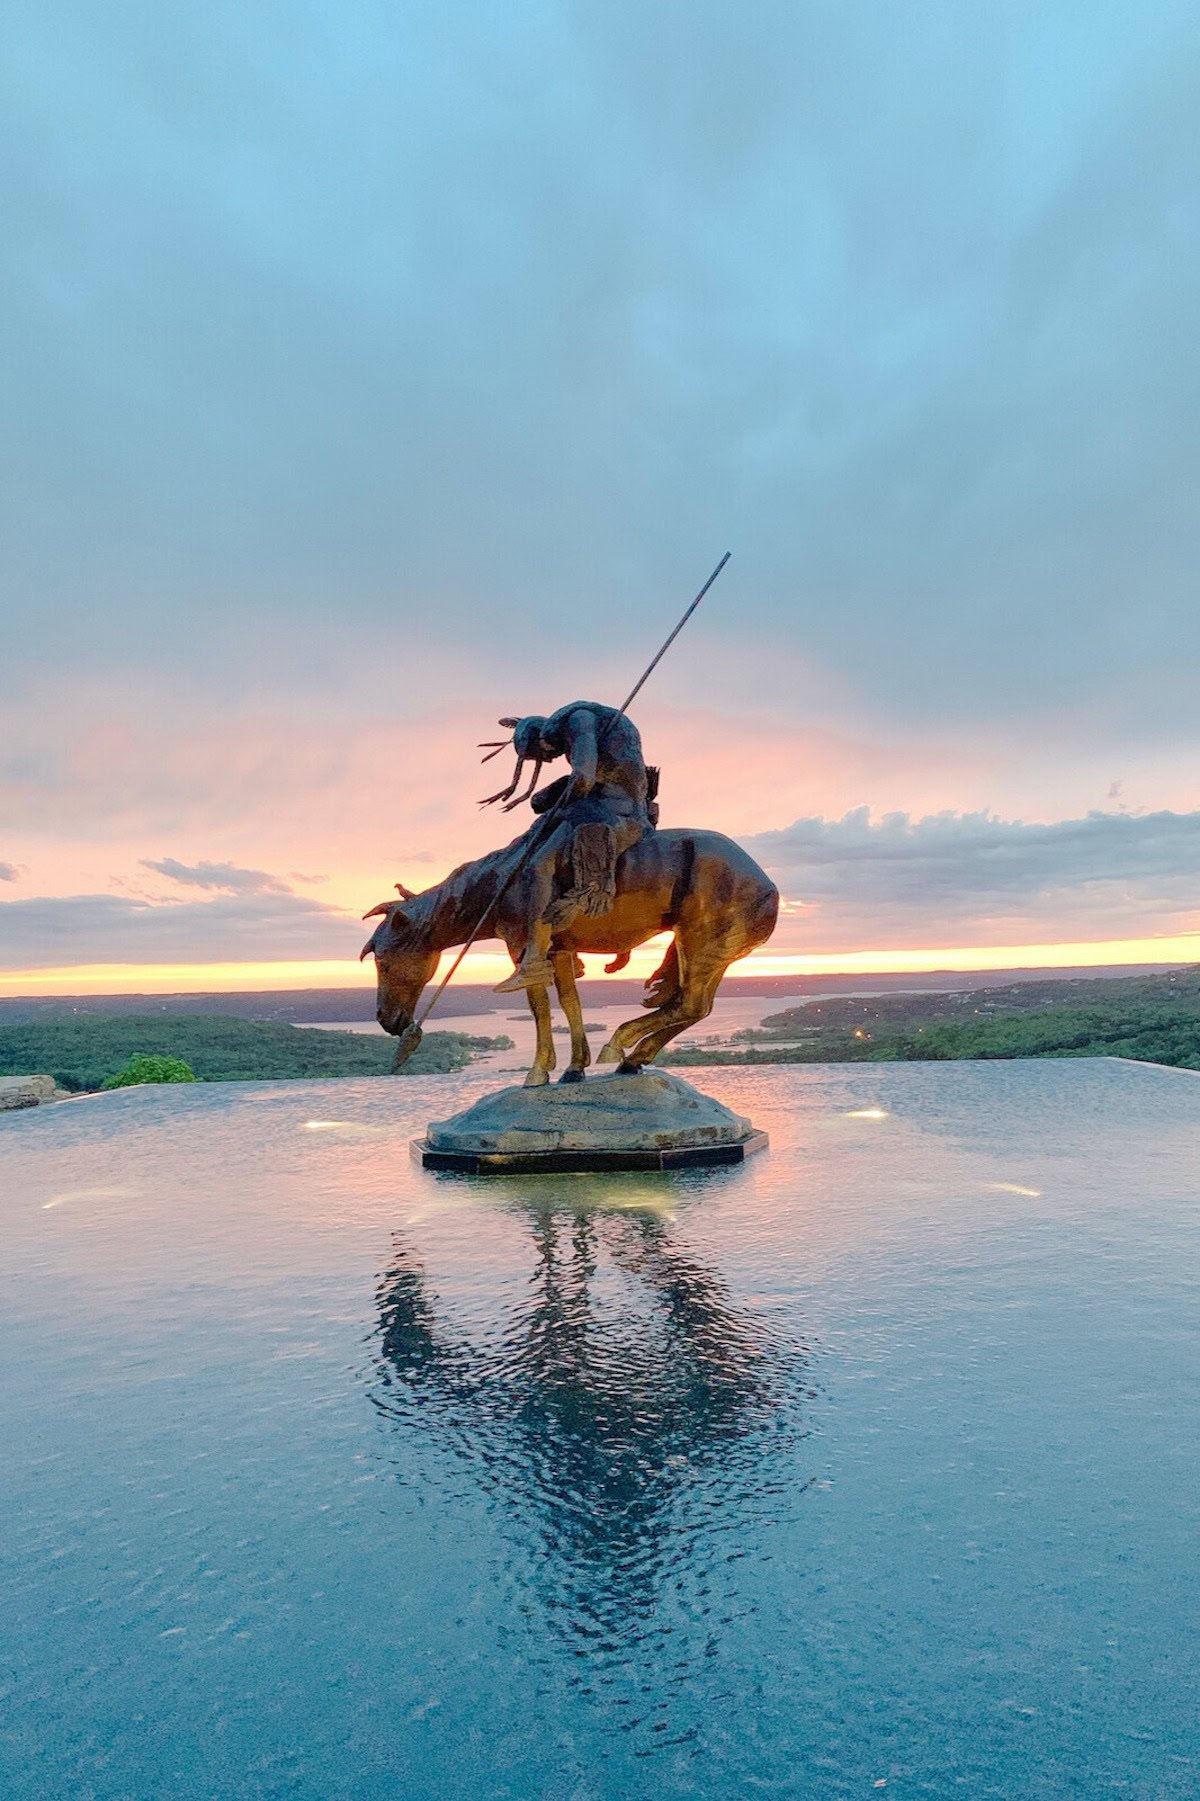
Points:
(336, 330)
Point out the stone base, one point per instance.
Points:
(646, 1121)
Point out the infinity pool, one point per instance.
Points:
(868, 1467)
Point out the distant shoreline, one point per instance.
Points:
(1154, 1017)
(337, 1006)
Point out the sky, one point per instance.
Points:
(372, 372)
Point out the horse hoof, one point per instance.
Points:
(608, 1055)
(628, 1069)
(537, 1078)
(570, 1075)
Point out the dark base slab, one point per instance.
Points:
(553, 1163)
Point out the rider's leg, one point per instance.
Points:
(535, 969)
(596, 846)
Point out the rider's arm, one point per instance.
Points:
(583, 751)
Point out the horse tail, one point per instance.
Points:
(766, 913)
(667, 980)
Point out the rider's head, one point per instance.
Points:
(529, 746)
(528, 740)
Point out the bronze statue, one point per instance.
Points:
(699, 885)
(593, 873)
(591, 816)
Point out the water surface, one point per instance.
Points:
(868, 1467)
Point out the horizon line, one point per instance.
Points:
(484, 969)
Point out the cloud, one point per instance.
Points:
(897, 880)
(107, 928)
(218, 875)
(906, 312)
(187, 771)
(9, 872)
(857, 882)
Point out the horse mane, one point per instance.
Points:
(410, 918)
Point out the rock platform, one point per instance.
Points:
(18, 1092)
(644, 1121)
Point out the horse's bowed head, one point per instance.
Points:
(404, 963)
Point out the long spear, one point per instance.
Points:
(410, 1038)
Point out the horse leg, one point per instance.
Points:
(544, 1058)
(617, 1048)
(662, 997)
(568, 1000)
(693, 1004)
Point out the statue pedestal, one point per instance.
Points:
(651, 1120)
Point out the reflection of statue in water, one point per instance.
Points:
(614, 1413)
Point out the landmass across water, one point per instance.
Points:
(340, 1006)
(294, 1035)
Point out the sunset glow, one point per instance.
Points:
(488, 967)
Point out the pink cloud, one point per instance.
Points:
(370, 798)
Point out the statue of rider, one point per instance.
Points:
(598, 811)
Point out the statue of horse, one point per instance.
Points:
(700, 886)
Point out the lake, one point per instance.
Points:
(731, 1013)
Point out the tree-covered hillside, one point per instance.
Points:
(1153, 1018)
(80, 1052)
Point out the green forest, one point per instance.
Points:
(1155, 1019)
(81, 1052)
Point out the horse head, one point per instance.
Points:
(404, 962)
